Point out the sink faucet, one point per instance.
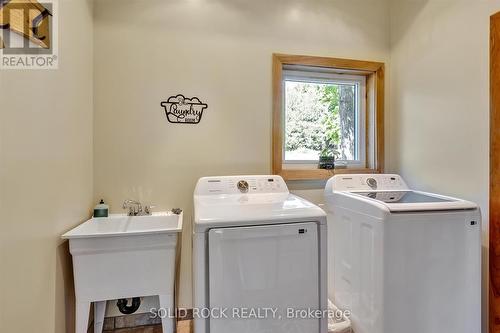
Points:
(134, 207)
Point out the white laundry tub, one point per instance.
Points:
(123, 257)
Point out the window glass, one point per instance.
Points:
(320, 118)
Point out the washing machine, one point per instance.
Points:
(402, 260)
(259, 258)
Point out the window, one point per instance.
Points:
(326, 109)
(324, 114)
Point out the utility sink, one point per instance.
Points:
(123, 257)
(122, 225)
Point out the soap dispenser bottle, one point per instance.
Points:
(101, 210)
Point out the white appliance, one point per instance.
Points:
(257, 247)
(403, 261)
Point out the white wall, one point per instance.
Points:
(219, 51)
(45, 178)
(439, 125)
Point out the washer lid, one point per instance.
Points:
(253, 209)
(404, 201)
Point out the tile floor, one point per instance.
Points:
(183, 326)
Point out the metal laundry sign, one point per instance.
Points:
(182, 110)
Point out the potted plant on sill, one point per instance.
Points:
(327, 155)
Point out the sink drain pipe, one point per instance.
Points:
(124, 308)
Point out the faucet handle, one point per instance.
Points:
(134, 207)
(148, 209)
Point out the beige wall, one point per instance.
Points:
(439, 125)
(220, 51)
(45, 178)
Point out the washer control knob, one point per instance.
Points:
(372, 182)
(243, 186)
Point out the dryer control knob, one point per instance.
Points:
(372, 182)
(243, 186)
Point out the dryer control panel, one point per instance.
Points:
(368, 182)
(240, 185)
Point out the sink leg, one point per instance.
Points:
(99, 311)
(167, 303)
(82, 316)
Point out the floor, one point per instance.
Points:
(183, 326)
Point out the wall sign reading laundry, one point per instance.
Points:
(182, 110)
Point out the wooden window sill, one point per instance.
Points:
(319, 174)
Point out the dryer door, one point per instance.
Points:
(261, 276)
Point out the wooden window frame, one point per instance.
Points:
(494, 186)
(374, 72)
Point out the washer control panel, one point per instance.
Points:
(240, 185)
(375, 182)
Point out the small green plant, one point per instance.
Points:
(329, 149)
(327, 155)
